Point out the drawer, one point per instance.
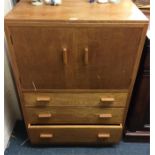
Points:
(74, 115)
(77, 134)
(76, 99)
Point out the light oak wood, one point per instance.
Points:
(44, 115)
(77, 99)
(86, 56)
(101, 42)
(42, 99)
(99, 134)
(103, 116)
(65, 56)
(103, 135)
(140, 48)
(74, 115)
(46, 54)
(75, 91)
(16, 75)
(42, 135)
(50, 61)
(77, 75)
(81, 10)
(109, 100)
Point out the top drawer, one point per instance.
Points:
(75, 99)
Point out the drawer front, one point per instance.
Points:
(75, 115)
(76, 99)
(100, 134)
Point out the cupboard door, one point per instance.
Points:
(43, 56)
(105, 56)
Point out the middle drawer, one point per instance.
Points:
(74, 115)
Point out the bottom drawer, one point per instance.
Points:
(75, 134)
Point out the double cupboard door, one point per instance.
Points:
(94, 57)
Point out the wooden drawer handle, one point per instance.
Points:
(43, 99)
(109, 100)
(86, 56)
(105, 115)
(46, 115)
(103, 135)
(65, 56)
(44, 135)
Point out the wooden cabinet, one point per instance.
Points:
(74, 71)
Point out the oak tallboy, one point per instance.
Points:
(75, 66)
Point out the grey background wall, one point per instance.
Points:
(11, 108)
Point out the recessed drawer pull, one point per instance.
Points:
(107, 100)
(43, 99)
(43, 135)
(65, 56)
(103, 135)
(105, 115)
(86, 56)
(44, 115)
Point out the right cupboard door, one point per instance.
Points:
(105, 56)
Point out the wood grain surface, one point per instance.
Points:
(76, 99)
(86, 56)
(75, 134)
(74, 115)
(77, 11)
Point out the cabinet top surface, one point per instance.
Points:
(77, 11)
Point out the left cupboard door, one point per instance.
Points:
(43, 56)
